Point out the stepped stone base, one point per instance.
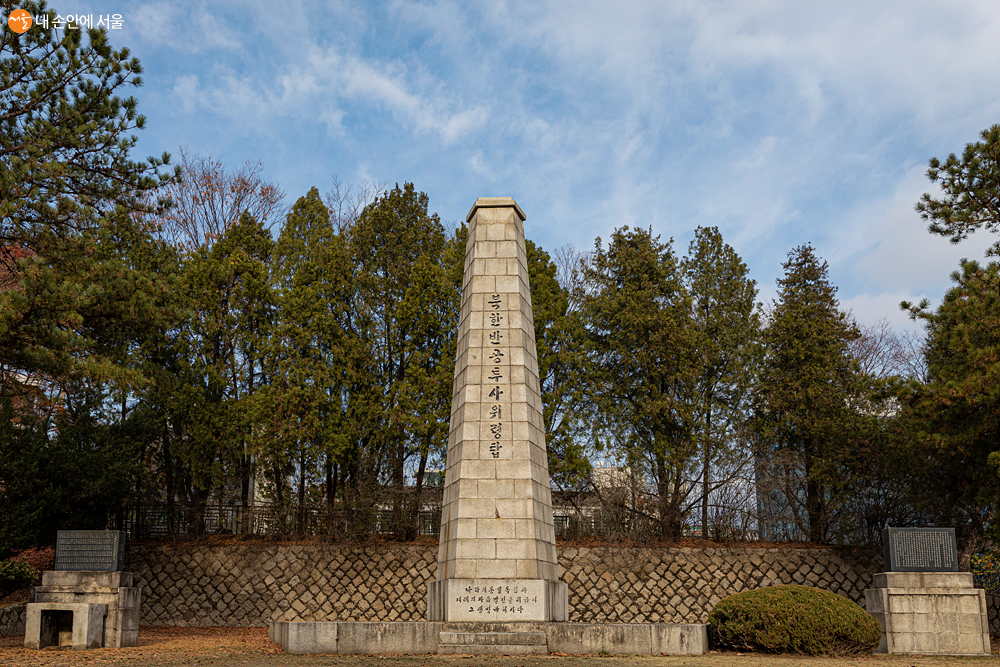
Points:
(493, 639)
(490, 638)
(114, 591)
(493, 643)
(935, 613)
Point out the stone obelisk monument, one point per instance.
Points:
(497, 556)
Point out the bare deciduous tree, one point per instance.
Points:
(346, 201)
(208, 200)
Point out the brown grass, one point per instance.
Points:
(243, 647)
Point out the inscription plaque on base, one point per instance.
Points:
(498, 600)
(919, 550)
(90, 550)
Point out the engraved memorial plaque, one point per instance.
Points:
(90, 550)
(497, 600)
(919, 550)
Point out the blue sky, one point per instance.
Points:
(779, 122)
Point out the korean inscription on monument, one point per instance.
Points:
(496, 376)
(496, 598)
(920, 550)
(90, 550)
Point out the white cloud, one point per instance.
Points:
(186, 91)
(870, 308)
(780, 122)
(894, 250)
(193, 29)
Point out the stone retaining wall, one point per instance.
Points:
(252, 584)
(246, 585)
(12, 619)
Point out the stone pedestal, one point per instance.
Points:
(929, 612)
(80, 626)
(113, 590)
(497, 531)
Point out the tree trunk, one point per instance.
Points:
(706, 475)
(301, 529)
(814, 504)
(245, 465)
(815, 511)
(414, 524)
(399, 514)
(669, 522)
(168, 474)
(279, 501)
(331, 496)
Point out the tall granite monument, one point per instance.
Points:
(497, 555)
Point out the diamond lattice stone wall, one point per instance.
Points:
(497, 558)
(251, 584)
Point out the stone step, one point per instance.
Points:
(493, 626)
(508, 641)
(498, 638)
(493, 649)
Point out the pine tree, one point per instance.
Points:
(971, 188)
(67, 186)
(954, 418)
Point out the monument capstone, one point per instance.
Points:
(497, 555)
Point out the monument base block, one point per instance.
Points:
(497, 600)
(413, 637)
(934, 613)
(79, 625)
(114, 591)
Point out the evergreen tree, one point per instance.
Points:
(725, 315)
(245, 253)
(954, 418)
(971, 188)
(405, 312)
(65, 464)
(309, 363)
(559, 333)
(66, 186)
(642, 363)
(806, 392)
(209, 369)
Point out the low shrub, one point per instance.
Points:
(15, 575)
(794, 619)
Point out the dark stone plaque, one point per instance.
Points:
(90, 550)
(919, 550)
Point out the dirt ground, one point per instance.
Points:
(241, 647)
